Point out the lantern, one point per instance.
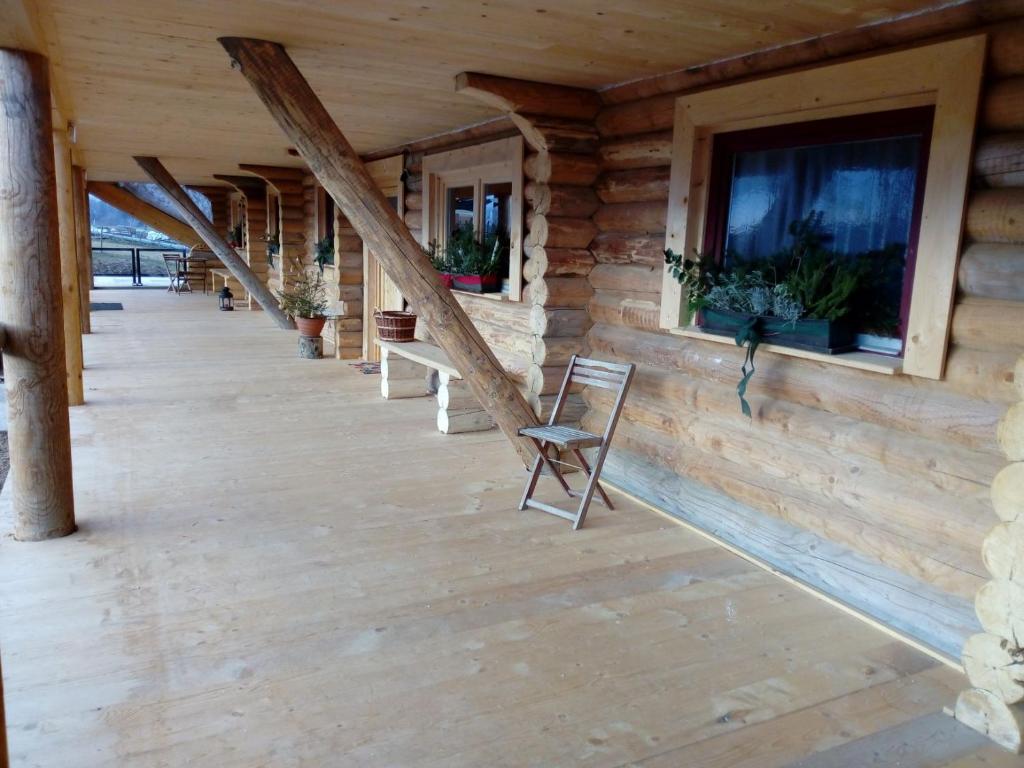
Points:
(227, 300)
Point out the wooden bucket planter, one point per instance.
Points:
(395, 326)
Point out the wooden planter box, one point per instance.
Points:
(812, 335)
(477, 283)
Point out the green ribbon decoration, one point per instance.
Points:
(749, 334)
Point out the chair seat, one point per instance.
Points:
(563, 437)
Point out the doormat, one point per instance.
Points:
(368, 368)
(102, 306)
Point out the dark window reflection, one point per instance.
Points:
(460, 208)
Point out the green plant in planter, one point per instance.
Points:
(235, 236)
(307, 297)
(805, 281)
(439, 257)
(324, 252)
(693, 274)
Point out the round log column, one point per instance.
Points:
(30, 304)
(71, 301)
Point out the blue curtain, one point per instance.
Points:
(864, 191)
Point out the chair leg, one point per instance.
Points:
(592, 485)
(531, 483)
(586, 468)
(542, 449)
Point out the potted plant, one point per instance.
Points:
(306, 302)
(324, 252)
(440, 260)
(235, 236)
(803, 297)
(476, 263)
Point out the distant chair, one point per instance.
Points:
(197, 267)
(175, 274)
(595, 373)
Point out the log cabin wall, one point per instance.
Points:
(289, 183)
(892, 467)
(347, 334)
(255, 239)
(535, 337)
(504, 325)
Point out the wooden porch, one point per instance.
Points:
(276, 567)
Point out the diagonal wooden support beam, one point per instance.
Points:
(128, 202)
(194, 216)
(308, 125)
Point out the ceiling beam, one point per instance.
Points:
(529, 97)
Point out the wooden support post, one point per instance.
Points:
(71, 302)
(308, 125)
(401, 378)
(231, 260)
(39, 429)
(83, 240)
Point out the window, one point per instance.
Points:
(325, 222)
(853, 185)
(476, 193)
(732, 189)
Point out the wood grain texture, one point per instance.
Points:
(1008, 492)
(71, 299)
(911, 607)
(30, 312)
(691, 655)
(331, 158)
(985, 713)
(204, 228)
(83, 245)
(1005, 57)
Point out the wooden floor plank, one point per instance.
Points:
(277, 567)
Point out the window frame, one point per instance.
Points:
(495, 162)
(945, 75)
(912, 121)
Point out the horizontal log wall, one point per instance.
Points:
(349, 288)
(892, 467)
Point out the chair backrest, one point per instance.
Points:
(596, 373)
(171, 262)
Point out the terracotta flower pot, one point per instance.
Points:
(310, 326)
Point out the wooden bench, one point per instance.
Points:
(407, 370)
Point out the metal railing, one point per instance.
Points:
(135, 267)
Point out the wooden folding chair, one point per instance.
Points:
(594, 373)
(172, 263)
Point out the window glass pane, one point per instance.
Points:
(329, 224)
(857, 196)
(497, 221)
(459, 209)
(497, 206)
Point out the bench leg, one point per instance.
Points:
(458, 409)
(401, 378)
